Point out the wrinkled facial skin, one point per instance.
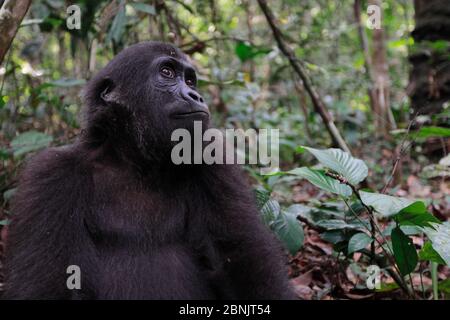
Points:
(173, 90)
(145, 93)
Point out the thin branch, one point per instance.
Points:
(399, 154)
(317, 102)
(11, 15)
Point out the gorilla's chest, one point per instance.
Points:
(149, 239)
(123, 210)
(132, 214)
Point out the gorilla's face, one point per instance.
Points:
(148, 91)
(174, 80)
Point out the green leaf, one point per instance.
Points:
(2, 101)
(333, 236)
(352, 169)
(427, 253)
(4, 154)
(143, 7)
(358, 241)
(431, 131)
(386, 287)
(299, 209)
(416, 215)
(4, 222)
(444, 285)
(262, 196)
(440, 239)
(384, 204)
(29, 141)
(319, 179)
(336, 224)
(290, 231)
(270, 211)
(64, 83)
(405, 253)
(118, 25)
(246, 52)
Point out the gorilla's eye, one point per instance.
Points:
(167, 72)
(190, 82)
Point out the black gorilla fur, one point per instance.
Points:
(138, 226)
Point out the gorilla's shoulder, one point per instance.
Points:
(55, 163)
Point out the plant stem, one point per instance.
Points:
(374, 228)
(434, 279)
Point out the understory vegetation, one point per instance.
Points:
(361, 202)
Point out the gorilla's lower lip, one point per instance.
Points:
(190, 114)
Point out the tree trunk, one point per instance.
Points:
(11, 14)
(377, 72)
(429, 86)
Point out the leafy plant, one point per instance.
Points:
(283, 223)
(357, 228)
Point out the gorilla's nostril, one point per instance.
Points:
(201, 99)
(193, 96)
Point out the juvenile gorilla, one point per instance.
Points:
(114, 204)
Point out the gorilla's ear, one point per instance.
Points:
(108, 92)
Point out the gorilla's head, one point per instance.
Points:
(147, 91)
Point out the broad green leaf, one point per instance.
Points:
(430, 131)
(312, 215)
(139, 6)
(29, 141)
(358, 241)
(405, 253)
(333, 236)
(319, 179)
(335, 224)
(411, 230)
(352, 169)
(300, 210)
(408, 230)
(440, 239)
(270, 211)
(384, 204)
(289, 230)
(427, 253)
(416, 215)
(262, 196)
(4, 222)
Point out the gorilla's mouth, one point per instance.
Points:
(191, 114)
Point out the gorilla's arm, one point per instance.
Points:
(253, 256)
(45, 228)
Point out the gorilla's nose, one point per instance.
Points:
(193, 97)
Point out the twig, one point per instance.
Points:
(399, 154)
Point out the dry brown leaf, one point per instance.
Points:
(304, 280)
